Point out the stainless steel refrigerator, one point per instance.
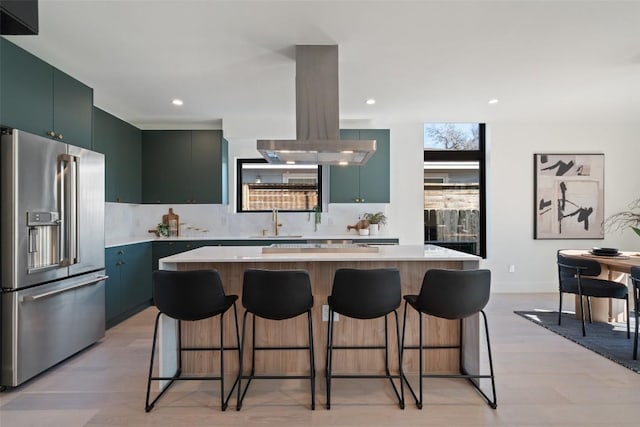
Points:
(52, 253)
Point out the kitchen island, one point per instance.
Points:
(412, 261)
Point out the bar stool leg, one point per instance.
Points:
(312, 362)
(240, 393)
(329, 356)
(223, 405)
(235, 382)
(399, 360)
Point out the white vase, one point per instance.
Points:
(364, 231)
(374, 228)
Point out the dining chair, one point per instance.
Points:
(578, 275)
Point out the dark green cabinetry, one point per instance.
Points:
(128, 287)
(121, 144)
(165, 249)
(72, 110)
(363, 184)
(40, 99)
(184, 166)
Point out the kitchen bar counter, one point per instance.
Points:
(412, 261)
(222, 254)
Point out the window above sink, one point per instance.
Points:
(263, 187)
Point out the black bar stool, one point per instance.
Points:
(190, 296)
(276, 295)
(451, 294)
(365, 294)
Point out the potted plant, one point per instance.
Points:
(375, 221)
(629, 218)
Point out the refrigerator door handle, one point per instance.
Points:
(93, 281)
(74, 235)
(62, 202)
(69, 207)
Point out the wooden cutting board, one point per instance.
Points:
(166, 218)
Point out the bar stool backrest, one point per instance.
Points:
(454, 294)
(635, 273)
(277, 294)
(366, 294)
(189, 295)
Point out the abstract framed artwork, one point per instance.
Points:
(569, 196)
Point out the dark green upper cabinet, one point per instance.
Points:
(72, 110)
(121, 144)
(26, 85)
(363, 184)
(181, 166)
(37, 98)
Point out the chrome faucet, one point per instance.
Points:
(276, 224)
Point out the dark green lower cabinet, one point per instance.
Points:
(129, 284)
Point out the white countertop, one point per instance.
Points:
(120, 241)
(254, 254)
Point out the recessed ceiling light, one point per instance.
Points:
(177, 102)
(291, 162)
(370, 101)
(343, 163)
(494, 101)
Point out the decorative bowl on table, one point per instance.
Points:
(604, 251)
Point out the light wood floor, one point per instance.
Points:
(542, 379)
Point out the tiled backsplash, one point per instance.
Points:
(124, 220)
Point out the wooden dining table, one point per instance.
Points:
(615, 268)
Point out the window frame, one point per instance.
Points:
(240, 162)
(470, 155)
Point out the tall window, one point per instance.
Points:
(263, 187)
(454, 186)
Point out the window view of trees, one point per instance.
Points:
(451, 136)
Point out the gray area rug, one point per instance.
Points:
(607, 339)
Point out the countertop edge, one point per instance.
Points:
(110, 243)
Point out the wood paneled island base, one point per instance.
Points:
(347, 331)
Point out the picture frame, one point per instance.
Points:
(568, 196)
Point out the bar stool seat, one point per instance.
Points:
(275, 295)
(365, 294)
(454, 295)
(190, 296)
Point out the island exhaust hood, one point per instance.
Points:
(317, 117)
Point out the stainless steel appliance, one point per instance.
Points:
(51, 251)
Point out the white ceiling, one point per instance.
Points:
(572, 61)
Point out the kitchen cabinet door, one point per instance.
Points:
(26, 85)
(120, 143)
(375, 174)
(344, 180)
(206, 166)
(136, 277)
(72, 110)
(112, 287)
(166, 163)
(363, 184)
